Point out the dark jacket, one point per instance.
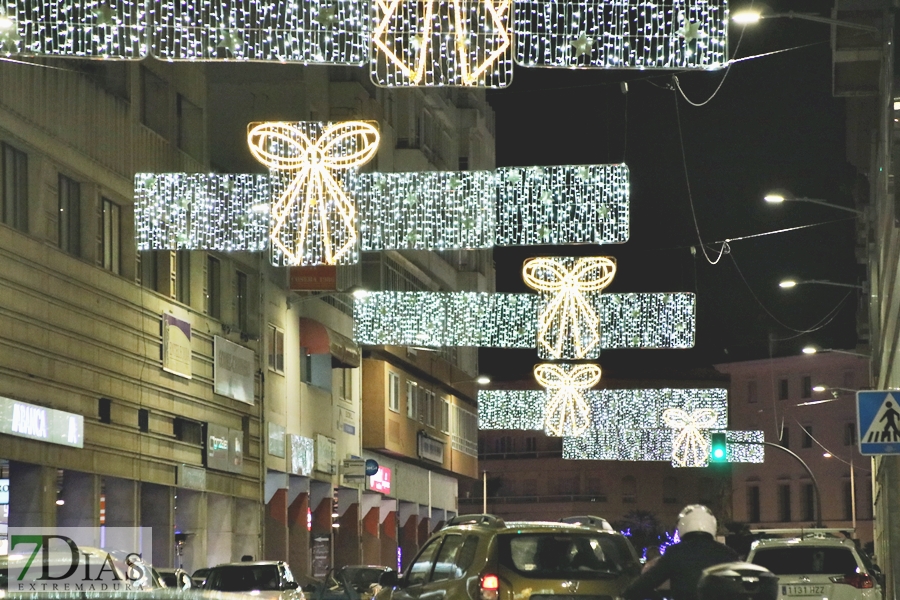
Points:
(682, 565)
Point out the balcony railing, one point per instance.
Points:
(520, 454)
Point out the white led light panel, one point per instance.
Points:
(510, 320)
(331, 32)
(441, 43)
(622, 34)
(181, 211)
(75, 28)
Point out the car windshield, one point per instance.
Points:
(562, 555)
(243, 578)
(806, 560)
(361, 578)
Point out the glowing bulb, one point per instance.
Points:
(746, 17)
(483, 380)
(787, 283)
(359, 293)
(774, 198)
(809, 350)
(719, 453)
(6, 23)
(826, 455)
(819, 388)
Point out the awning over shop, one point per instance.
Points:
(320, 339)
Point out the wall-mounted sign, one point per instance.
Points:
(234, 369)
(326, 448)
(381, 481)
(276, 440)
(187, 476)
(39, 423)
(224, 448)
(301, 459)
(4, 491)
(430, 448)
(322, 278)
(176, 346)
(353, 468)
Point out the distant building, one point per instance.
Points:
(780, 397)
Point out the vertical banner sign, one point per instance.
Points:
(176, 346)
(234, 370)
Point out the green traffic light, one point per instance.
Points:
(718, 452)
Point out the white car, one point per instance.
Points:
(818, 567)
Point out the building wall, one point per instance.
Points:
(774, 395)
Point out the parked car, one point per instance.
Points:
(818, 566)
(481, 557)
(176, 579)
(199, 576)
(352, 582)
(266, 579)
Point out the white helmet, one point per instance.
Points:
(696, 517)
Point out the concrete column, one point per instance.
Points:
(346, 544)
(32, 495)
(190, 527)
(409, 531)
(157, 512)
(370, 542)
(122, 502)
(388, 533)
(298, 529)
(321, 503)
(219, 535)
(246, 540)
(424, 523)
(276, 515)
(81, 497)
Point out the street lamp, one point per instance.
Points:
(792, 283)
(835, 394)
(751, 17)
(781, 198)
(356, 291)
(816, 350)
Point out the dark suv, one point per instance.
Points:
(481, 557)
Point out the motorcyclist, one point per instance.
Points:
(683, 563)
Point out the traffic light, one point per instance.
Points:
(717, 451)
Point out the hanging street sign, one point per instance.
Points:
(878, 422)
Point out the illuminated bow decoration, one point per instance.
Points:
(567, 413)
(389, 11)
(327, 217)
(690, 446)
(568, 315)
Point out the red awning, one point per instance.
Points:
(320, 339)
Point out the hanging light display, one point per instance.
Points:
(568, 324)
(566, 412)
(436, 43)
(313, 219)
(690, 446)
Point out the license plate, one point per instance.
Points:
(803, 590)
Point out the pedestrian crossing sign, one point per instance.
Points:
(878, 422)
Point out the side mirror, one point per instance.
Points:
(389, 579)
(291, 585)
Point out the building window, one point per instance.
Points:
(808, 502)
(190, 127)
(445, 415)
(149, 269)
(629, 490)
(69, 195)
(807, 441)
(111, 236)
(464, 431)
(785, 437)
(531, 444)
(411, 402)
(104, 410)
(190, 432)
(784, 503)
(782, 389)
(242, 298)
(393, 391)
(429, 408)
(213, 287)
(183, 276)
(753, 504)
(806, 387)
(848, 500)
(276, 349)
(155, 102)
(144, 420)
(670, 490)
(849, 434)
(752, 394)
(14, 190)
(345, 393)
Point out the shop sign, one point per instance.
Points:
(302, 457)
(320, 278)
(4, 491)
(224, 450)
(193, 478)
(276, 440)
(430, 448)
(381, 481)
(40, 423)
(326, 449)
(234, 370)
(176, 346)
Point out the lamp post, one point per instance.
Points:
(751, 17)
(781, 198)
(792, 283)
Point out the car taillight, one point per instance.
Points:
(858, 580)
(490, 586)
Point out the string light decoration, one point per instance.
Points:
(334, 32)
(622, 34)
(463, 319)
(513, 206)
(566, 412)
(568, 324)
(691, 445)
(180, 211)
(313, 220)
(436, 43)
(113, 29)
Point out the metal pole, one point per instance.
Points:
(484, 492)
(853, 494)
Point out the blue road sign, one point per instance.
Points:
(878, 422)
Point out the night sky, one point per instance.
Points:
(773, 124)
